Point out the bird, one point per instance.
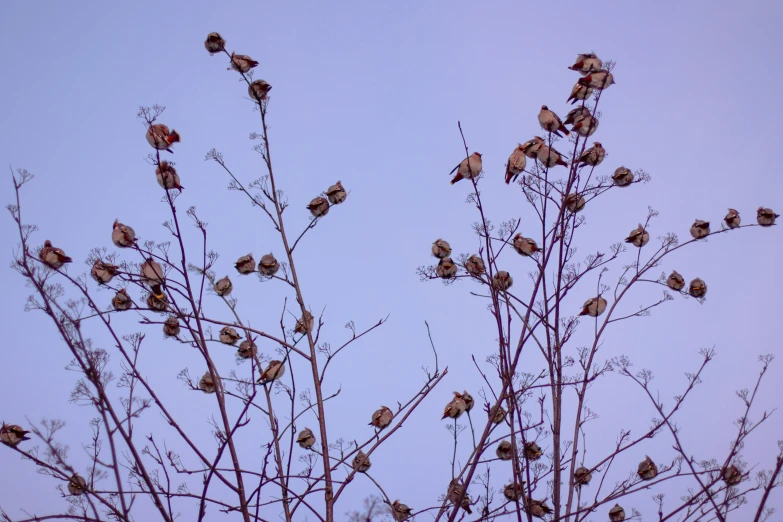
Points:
(382, 417)
(274, 370)
(157, 300)
(151, 273)
(585, 125)
(361, 462)
(318, 207)
(700, 229)
(731, 475)
(538, 508)
(697, 288)
(502, 280)
(77, 485)
(516, 164)
(497, 414)
(582, 476)
(336, 193)
(733, 219)
(206, 384)
(306, 438)
(617, 513)
(171, 327)
(241, 63)
(475, 265)
(593, 156)
(576, 113)
(600, 79)
(455, 407)
(468, 168)
(532, 451)
(121, 300)
(215, 43)
(647, 469)
(52, 256)
(441, 248)
(458, 496)
(638, 237)
(469, 402)
(258, 90)
(530, 147)
(12, 435)
(766, 217)
(223, 287)
(400, 511)
(268, 266)
(524, 245)
(247, 349)
(579, 93)
(161, 138)
(228, 336)
(512, 492)
(675, 281)
(103, 272)
(245, 264)
(122, 236)
(574, 203)
(505, 450)
(305, 323)
(622, 177)
(551, 122)
(549, 157)
(167, 176)
(594, 306)
(586, 63)
(446, 269)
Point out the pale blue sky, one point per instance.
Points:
(370, 93)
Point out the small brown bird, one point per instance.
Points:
(549, 157)
(647, 469)
(574, 203)
(121, 300)
(551, 122)
(103, 272)
(273, 372)
(245, 264)
(475, 265)
(732, 219)
(361, 462)
(593, 156)
(617, 513)
(229, 336)
(532, 451)
(580, 92)
(122, 236)
(622, 177)
(52, 256)
(382, 418)
(441, 248)
(575, 114)
(258, 90)
(594, 306)
(468, 168)
(455, 407)
(446, 268)
(638, 237)
(167, 176)
(600, 79)
(497, 414)
(161, 138)
(697, 288)
(502, 280)
(157, 300)
(151, 273)
(241, 63)
(766, 217)
(585, 126)
(582, 476)
(675, 281)
(586, 63)
(223, 287)
(504, 450)
(12, 435)
(469, 402)
(458, 496)
(247, 349)
(77, 485)
(512, 492)
(516, 164)
(731, 475)
(304, 324)
(530, 147)
(336, 193)
(268, 266)
(538, 508)
(306, 438)
(400, 512)
(206, 384)
(318, 207)
(215, 43)
(700, 229)
(171, 327)
(524, 245)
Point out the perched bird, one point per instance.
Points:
(161, 138)
(206, 384)
(574, 203)
(318, 207)
(245, 264)
(382, 418)
(622, 177)
(361, 462)
(77, 485)
(502, 280)
(697, 288)
(731, 475)
(274, 370)
(766, 217)
(593, 156)
(306, 438)
(247, 349)
(446, 268)
(258, 90)
(468, 168)
(242, 63)
(12, 435)
(594, 306)
(400, 511)
(575, 114)
(469, 402)
(638, 236)
(151, 273)
(121, 300)
(441, 248)
(167, 176)
(504, 450)
(223, 287)
(524, 245)
(732, 219)
(458, 496)
(268, 266)
(215, 43)
(475, 265)
(103, 272)
(530, 147)
(600, 79)
(157, 300)
(52, 256)
(497, 414)
(700, 229)
(532, 451)
(586, 63)
(512, 492)
(516, 164)
(549, 157)
(455, 407)
(304, 324)
(538, 508)
(579, 93)
(229, 336)
(171, 327)
(617, 513)
(122, 235)
(647, 469)
(675, 281)
(585, 126)
(551, 122)
(582, 476)
(336, 193)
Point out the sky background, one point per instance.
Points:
(370, 93)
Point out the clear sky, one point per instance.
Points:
(370, 93)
